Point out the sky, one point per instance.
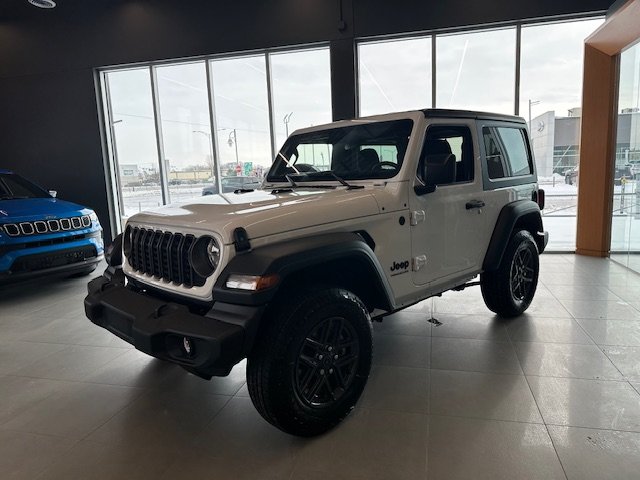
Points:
(474, 70)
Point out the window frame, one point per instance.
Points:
(494, 184)
(469, 132)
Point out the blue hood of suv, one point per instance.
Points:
(29, 209)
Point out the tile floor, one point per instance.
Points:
(552, 394)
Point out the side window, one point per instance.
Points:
(447, 156)
(506, 152)
(513, 140)
(496, 167)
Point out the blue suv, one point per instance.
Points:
(40, 234)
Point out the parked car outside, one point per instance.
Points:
(231, 184)
(40, 234)
(627, 172)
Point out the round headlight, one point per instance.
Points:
(205, 256)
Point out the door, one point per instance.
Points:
(449, 233)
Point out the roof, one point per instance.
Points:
(443, 112)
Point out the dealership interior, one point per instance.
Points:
(113, 108)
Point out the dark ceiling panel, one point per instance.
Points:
(85, 34)
(383, 17)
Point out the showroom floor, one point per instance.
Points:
(551, 394)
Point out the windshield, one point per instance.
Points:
(13, 187)
(364, 151)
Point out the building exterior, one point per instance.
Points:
(556, 140)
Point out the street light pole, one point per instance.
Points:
(234, 142)
(286, 120)
(531, 103)
(208, 135)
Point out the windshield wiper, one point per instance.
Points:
(290, 180)
(343, 181)
(293, 184)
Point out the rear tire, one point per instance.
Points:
(509, 290)
(312, 361)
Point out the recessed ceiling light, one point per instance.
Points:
(43, 3)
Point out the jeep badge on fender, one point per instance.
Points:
(289, 275)
(400, 266)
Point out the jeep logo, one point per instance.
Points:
(400, 266)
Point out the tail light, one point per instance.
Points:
(538, 197)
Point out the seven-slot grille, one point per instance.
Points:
(46, 226)
(163, 255)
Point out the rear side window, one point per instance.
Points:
(506, 152)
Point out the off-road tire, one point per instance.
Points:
(509, 290)
(289, 347)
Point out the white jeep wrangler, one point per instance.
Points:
(355, 220)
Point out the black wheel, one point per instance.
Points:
(311, 362)
(509, 290)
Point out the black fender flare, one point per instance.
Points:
(292, 256)
(523, 212)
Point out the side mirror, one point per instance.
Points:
(53, 193)
(424, 189)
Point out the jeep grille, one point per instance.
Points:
(162, 255)
(48, 226)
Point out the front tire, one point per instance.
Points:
(312, 361)
(509, 290)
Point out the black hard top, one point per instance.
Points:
(447, 113)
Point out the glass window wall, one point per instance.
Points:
(177, 122)
(625, 223)
(476, 71)
(550, 99)
(242, 116)
(301, 89)
(133, 137)
(394, 75)
(186, 130)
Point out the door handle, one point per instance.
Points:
(474, 204)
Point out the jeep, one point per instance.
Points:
(43, 235)
(355, 220)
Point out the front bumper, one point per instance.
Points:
(65, 261)
(219, 339)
